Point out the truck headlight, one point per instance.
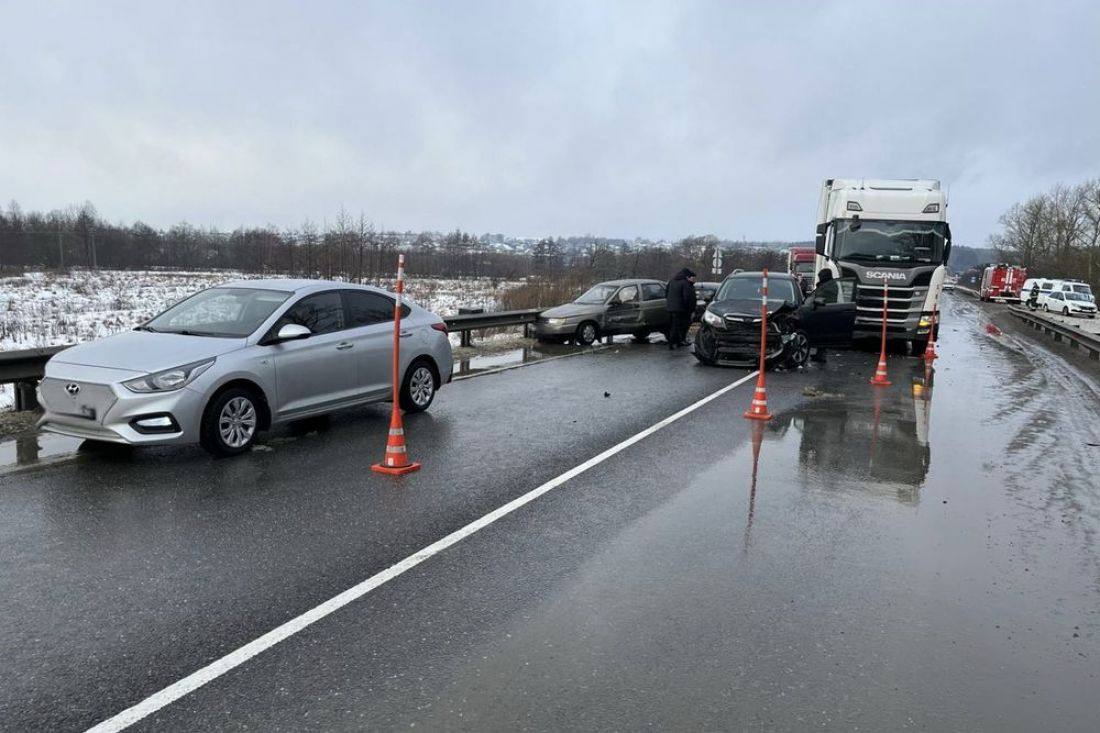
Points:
(925, 322)
(713, 319)
(169, 379)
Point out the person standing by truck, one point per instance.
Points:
(680, 303)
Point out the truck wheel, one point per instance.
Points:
(642, 335)
(587, 333)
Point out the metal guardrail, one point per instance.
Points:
(26, 367)
(1077, 339)
(23, 369)
(464, 323)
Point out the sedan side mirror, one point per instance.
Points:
(293, 332)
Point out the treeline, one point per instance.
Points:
(1055, 234)
(349, 247)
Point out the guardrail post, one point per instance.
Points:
(25, 396)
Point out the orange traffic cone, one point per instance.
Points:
(396, 462)
(930, 349)
(758, 410)
(880, 380)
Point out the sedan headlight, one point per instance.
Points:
(555, 321)
(713, 319)
(169, 379)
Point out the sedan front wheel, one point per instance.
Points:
(230, 423)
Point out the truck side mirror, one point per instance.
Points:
(819, 241)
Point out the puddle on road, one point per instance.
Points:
(468, 365)
(32, 449)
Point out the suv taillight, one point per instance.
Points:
(441, 327)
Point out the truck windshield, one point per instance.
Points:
(890, 241)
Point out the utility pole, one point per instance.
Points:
(92, 233)
(60, 251)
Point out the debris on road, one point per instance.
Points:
(818, 392)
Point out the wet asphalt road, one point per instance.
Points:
(922, 556)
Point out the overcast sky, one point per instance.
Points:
(618, 119)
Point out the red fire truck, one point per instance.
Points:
(1002, 282)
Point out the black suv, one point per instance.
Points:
(730, 329)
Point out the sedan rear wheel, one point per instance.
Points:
(418, 389)
(1065, 311)
(230, 423)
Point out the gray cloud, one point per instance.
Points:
(631, 118)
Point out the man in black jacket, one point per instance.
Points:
(680, 303)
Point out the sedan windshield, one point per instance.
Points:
(224, 312)
(598, 294)
(749, 288)
(890, 241)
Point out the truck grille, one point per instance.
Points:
(903, 309)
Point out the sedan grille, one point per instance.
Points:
(78, 399)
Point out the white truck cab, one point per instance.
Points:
(889, 235)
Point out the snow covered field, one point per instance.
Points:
(47, 309)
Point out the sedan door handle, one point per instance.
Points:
(344, 345)
(406, 334)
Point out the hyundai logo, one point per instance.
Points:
(72, 388)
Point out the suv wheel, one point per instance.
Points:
(230, 423)
(798, 349)
(705, 347)
(418, 389)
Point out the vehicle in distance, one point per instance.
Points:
(704, 293)
(800, 263)
(730, 332)
(1069, 303)
(230, 361)
(634, 306)
(1002, 282)
(887, 233)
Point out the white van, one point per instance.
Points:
(1048, 285)
(1073, 286)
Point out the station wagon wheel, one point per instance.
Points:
(587, 333)
(230, 423)
(1065, 311)
(418, 389)
(798, 349)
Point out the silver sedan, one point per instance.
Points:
(232, 360)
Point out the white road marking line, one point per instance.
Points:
(217, 668)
